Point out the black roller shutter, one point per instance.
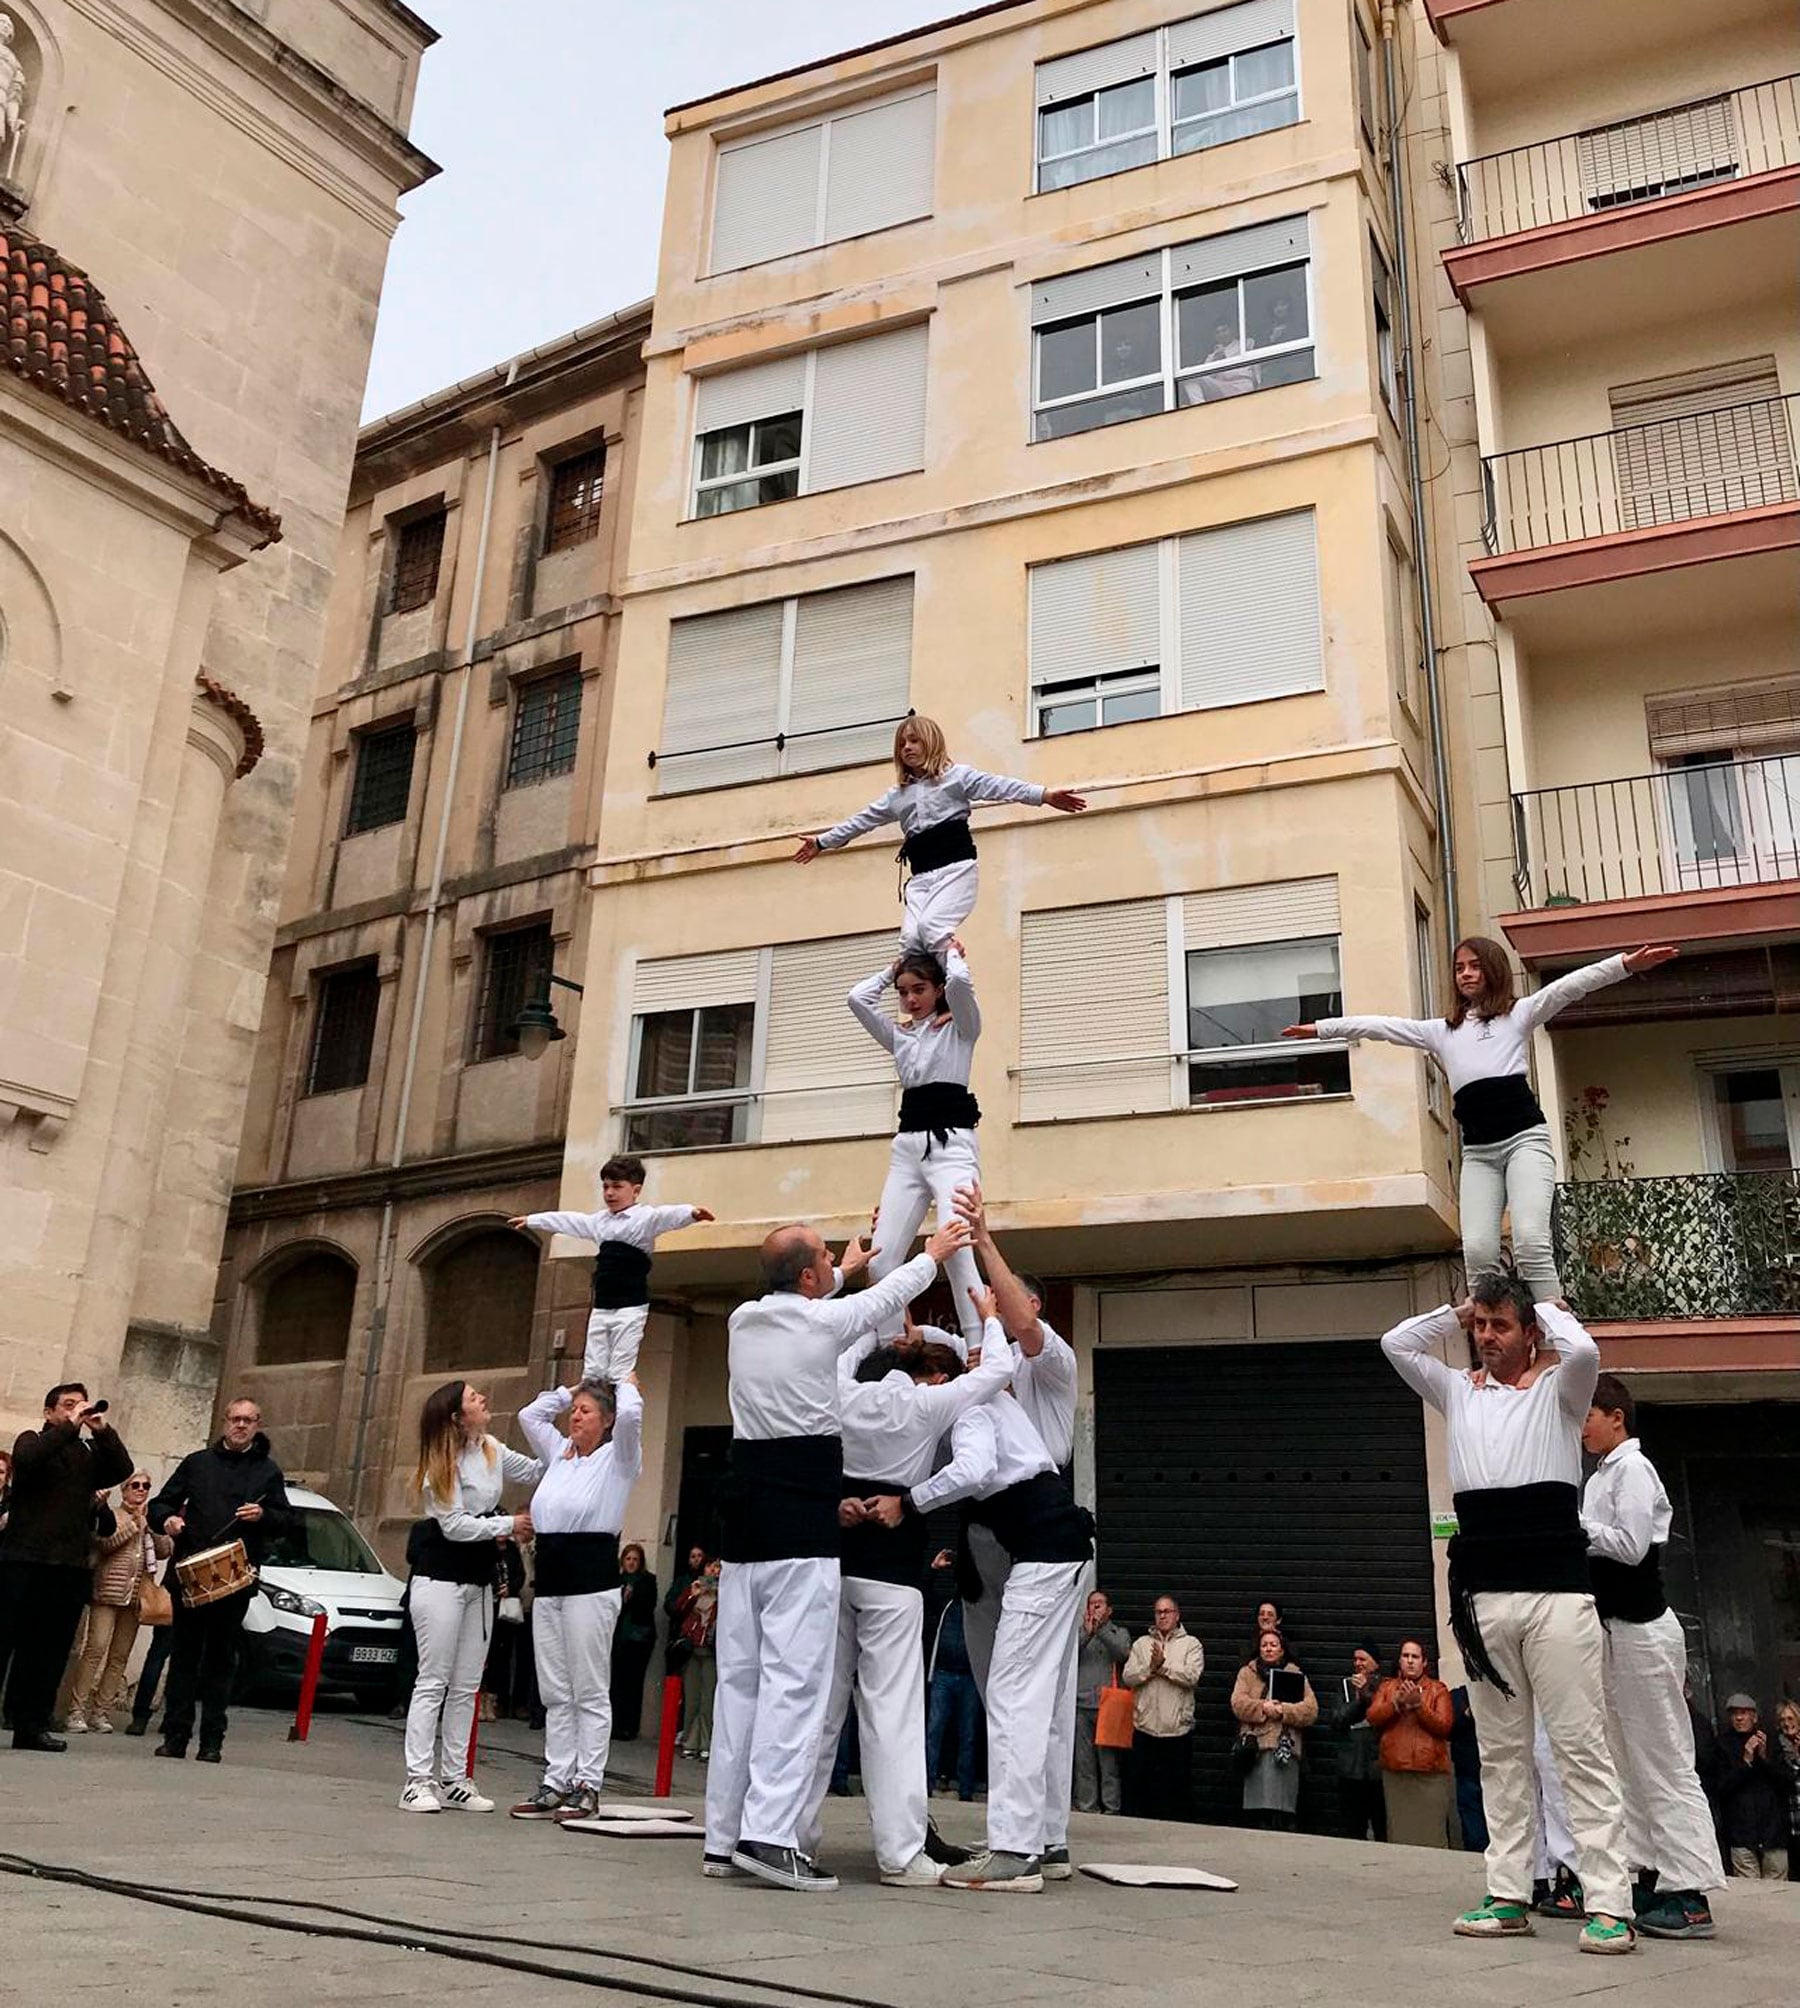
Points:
(1227, 1474)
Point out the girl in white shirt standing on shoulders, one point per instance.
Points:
(935, 1150)
(461, 1472)
(1483, 1045)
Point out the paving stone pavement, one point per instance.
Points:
(1314, 1920)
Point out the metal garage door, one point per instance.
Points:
(1226, 1474)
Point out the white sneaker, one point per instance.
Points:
(920, 1873)
(457, 1795)
(76, 1725)
(419, 1797)
(101, 1725)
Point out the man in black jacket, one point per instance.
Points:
(46, 1568)
(231, 1490)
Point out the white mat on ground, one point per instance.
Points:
(636, 1829)
(642, 1809)
(1150, 1875)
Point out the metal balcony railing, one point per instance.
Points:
(1686, 828)
(1635, 160)
(1703, 463)
(1722, 1244)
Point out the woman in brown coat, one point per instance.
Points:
(126, 1556)
(1413, 1714)
(1272, 1784)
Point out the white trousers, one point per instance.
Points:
(881, 1657)
(572, 1642)
(1555, 1841)
(1668, 1825)
(776, 1640)
(937, 904)
(613, 1338)
(922, 1173)
(1031, 1706)
(1548, 1649)
(451, 1623)
(981, 1628)
(1516, 1177)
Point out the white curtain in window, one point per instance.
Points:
(868, 413)
(723, 691)
(1250, 612)
(823, 1076)
(1094, 1011)
(852, 668)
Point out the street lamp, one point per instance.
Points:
(535, 1026)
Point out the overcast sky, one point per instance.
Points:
(546, 117)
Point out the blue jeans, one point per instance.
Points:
(954, 1707)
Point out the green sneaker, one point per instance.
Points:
(1610, 1934)
(1496, 1917)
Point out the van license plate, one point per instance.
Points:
(374, 1655)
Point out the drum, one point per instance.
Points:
(214, 1573)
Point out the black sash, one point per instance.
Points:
(778, 1499)
(576, 1565)
(1037, 1520)
(939, 844)
(881, 1554)
(938, 1107)
(1512, 1537)
(1490, 1111)
(621, 1276)
(448, 1561)
(1632, 1591)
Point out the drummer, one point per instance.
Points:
(230, 1492)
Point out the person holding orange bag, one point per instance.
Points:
(1105, 1646)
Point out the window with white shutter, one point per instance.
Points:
(823, 1076)
(1096, 640)
(1662, 153)
(1702, 443)
(786, 687)
(693, 1043)
(862, 169)
(1249, 610)
(1094, 1012)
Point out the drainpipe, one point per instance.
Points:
(384, 1246)
(1434, 699)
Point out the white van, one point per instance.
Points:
(321, 1563)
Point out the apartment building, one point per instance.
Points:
(1620, 256)
(449, 803)
(1036, 371)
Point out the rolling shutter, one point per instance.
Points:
(766, 202)
(1641, 157)
(1258, 249)
(880, 167)
(1227, 30)
(1094, 1012)
(1702, 443)
(1243, 916)
(1730, 719)
(1114, 285)
(1250, 612)
(1095, 613)
(723, 691)
(763, 390)
(868, 413)
(692, 982)
(1096, 69)
(823, 1076)
(852, 668)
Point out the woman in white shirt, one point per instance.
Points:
(935, 1151)
(1483, 1044)
(459, 1479)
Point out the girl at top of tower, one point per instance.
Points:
(1482, 1043)
(931, 801)
(934, 1151)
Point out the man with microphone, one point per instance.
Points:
(46, 1572)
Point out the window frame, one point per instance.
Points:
(566, 673)
(747, 1096)
(1368, 107)
(1156, 131)
(586, 514)
(360, 743)
(1385, 301)
(1093, 688)
(1425, 968)
(754, 472)
(365, 968)
(487, 1038)
(1235, 103)
(398, 532)
(1188, 1056)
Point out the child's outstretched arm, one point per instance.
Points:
(981, 787)
(580, 1225)
(667, 1219)
(883, 810)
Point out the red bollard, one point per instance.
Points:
(309, 1682)
(665, 1742)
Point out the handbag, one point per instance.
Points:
(1244, 1753)
(511, 1611)
(1113, 1723)
(155, 1605)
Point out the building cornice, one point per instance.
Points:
(420, 1179)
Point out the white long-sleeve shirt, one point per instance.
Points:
(921, 805)
(991, 1448)
(1483, 1049)
(638, 1225)
(583, 1495)
(1501, 1436)
(1625, 1511)
(927, 1052)
(1046, 1388)
(468, 1514)
(891, 1427)
(783, 1350)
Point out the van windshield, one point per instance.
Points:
(319, 1540)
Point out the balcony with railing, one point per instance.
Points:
(1732, 156)
(1696, 852)
(1707, 1246)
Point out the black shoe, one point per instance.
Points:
(1677, 1914)
(209, 1753)
(136, 1728)
(38, 1739)
(788, 1868)
(1564, 1900)
(945, 1853)
(168, 1747)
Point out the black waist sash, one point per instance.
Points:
(621, 1276)
(1490, 1111)
(779, 1498)
(1037, 1520)
(448, 1561)
(939, 844)
(576, 1565)
(1512, 1537)
(881, 1554)
(1632, 1591)
(938, 1107)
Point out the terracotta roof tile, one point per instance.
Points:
(240, 713)
(60, 334)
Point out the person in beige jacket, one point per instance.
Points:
(1163, 1669)
(126, 1556)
